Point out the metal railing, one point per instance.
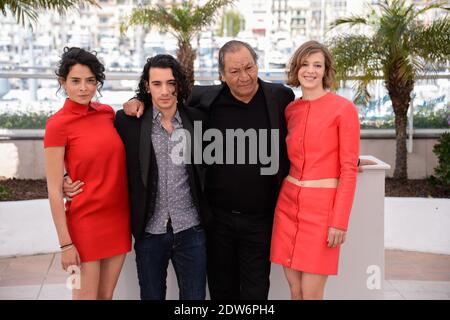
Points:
(432, 92)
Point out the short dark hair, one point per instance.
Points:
(301, 54)
(163, 61)
(72, 56)
(233, 46)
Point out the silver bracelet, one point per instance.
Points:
(67, 248)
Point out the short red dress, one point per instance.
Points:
(98, 219)
(323, 142)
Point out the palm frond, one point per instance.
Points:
(24, 10)
(393, 26)
(147, 16)
(432, 42)
(442, 5)
(21, 10)
(358, 56)
(386, 6)
(181, 17)
(362, 94)
(351, 20)
(353, 52)
(61, 5)
(203, 15)
(182, 20)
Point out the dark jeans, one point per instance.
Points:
(239, 255)
(186, 250)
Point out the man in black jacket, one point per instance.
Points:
(241, 196)
(165, 193)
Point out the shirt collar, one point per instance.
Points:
(226, 89)
(77, 108)
(157, 116)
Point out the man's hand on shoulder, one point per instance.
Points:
(70, 188)
(134, 108)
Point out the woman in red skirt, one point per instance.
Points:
(314, 204)
(94, 228)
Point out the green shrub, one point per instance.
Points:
(434, 119)
(21, 120)
(423, 119)
(441, 149)
(4, 192)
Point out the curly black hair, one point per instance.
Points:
(163, 61)
(72, 56)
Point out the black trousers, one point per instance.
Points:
(238, 255)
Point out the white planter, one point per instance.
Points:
(417, 224)
(414, 224)
(26, 228)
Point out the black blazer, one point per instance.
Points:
(277, 96)
(142, 168)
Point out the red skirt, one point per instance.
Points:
(99, 229)
(300, 230)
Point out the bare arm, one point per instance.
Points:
(54, 166)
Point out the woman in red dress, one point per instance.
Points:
(314, 204)
(93, 229)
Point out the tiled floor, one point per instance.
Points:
(33, 277)
(409, 276)
(416, 276)
(407, 265)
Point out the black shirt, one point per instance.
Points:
(235, 186)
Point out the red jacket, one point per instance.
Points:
(323, 142)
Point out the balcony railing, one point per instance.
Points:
(33, 91)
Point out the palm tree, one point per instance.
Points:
(28, 9)
(183, 21)
(231, 24)
(398, 48)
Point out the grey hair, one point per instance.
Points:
(233, 46)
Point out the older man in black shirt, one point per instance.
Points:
(241, 197)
